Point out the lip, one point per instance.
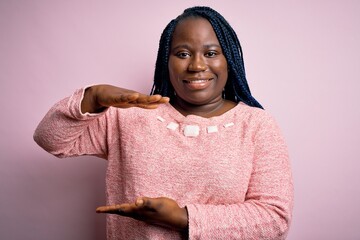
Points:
(197, 83)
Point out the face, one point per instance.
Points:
(197, 66)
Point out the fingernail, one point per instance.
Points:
(139, 202)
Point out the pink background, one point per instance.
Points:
(302, 60)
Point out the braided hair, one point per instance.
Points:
(236, 88)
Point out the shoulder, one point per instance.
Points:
(255, 119)
(253, 114)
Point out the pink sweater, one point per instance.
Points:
(231, 171)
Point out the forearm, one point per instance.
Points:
(250, 220)
(64, 131)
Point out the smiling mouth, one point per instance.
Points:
(197, 84)
(197, 81)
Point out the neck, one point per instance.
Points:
(215, 108)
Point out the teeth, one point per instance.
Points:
(197, 81)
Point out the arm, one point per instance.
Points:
(65, 131)
(77, 125)
(266, 212)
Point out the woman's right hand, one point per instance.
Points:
(99, 97)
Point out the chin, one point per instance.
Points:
(198, 101)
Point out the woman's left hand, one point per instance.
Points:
(158, 211)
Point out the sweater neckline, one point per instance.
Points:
(192, 117)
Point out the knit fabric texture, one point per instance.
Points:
(232, 172)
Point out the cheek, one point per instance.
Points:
(173, 73)
(172, 67)
(176, 68)
(221, 69)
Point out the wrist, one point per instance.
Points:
(89, 102)
(184, 219)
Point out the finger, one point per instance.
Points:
(158, 99)
(139, 100)
(149, 106)
(139, 202)
(154, 98)
(118, 100)
(150, 204)
(164, 100)
(126, 210)
(107, 209)
(124, 98)
(144, 99)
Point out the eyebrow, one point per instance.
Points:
(206, 46)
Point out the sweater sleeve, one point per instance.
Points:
(66, 132)
(267, 209)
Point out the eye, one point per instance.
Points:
(211, 54)
(183, 54)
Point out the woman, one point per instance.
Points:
(198, 159)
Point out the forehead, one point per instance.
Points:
(194, 29)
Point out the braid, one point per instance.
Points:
(162, 83)
(236, 88)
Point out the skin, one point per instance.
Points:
(99, 97)
(198, 69)
(198, 73)
(160, 211)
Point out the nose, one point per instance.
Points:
(197, 64)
